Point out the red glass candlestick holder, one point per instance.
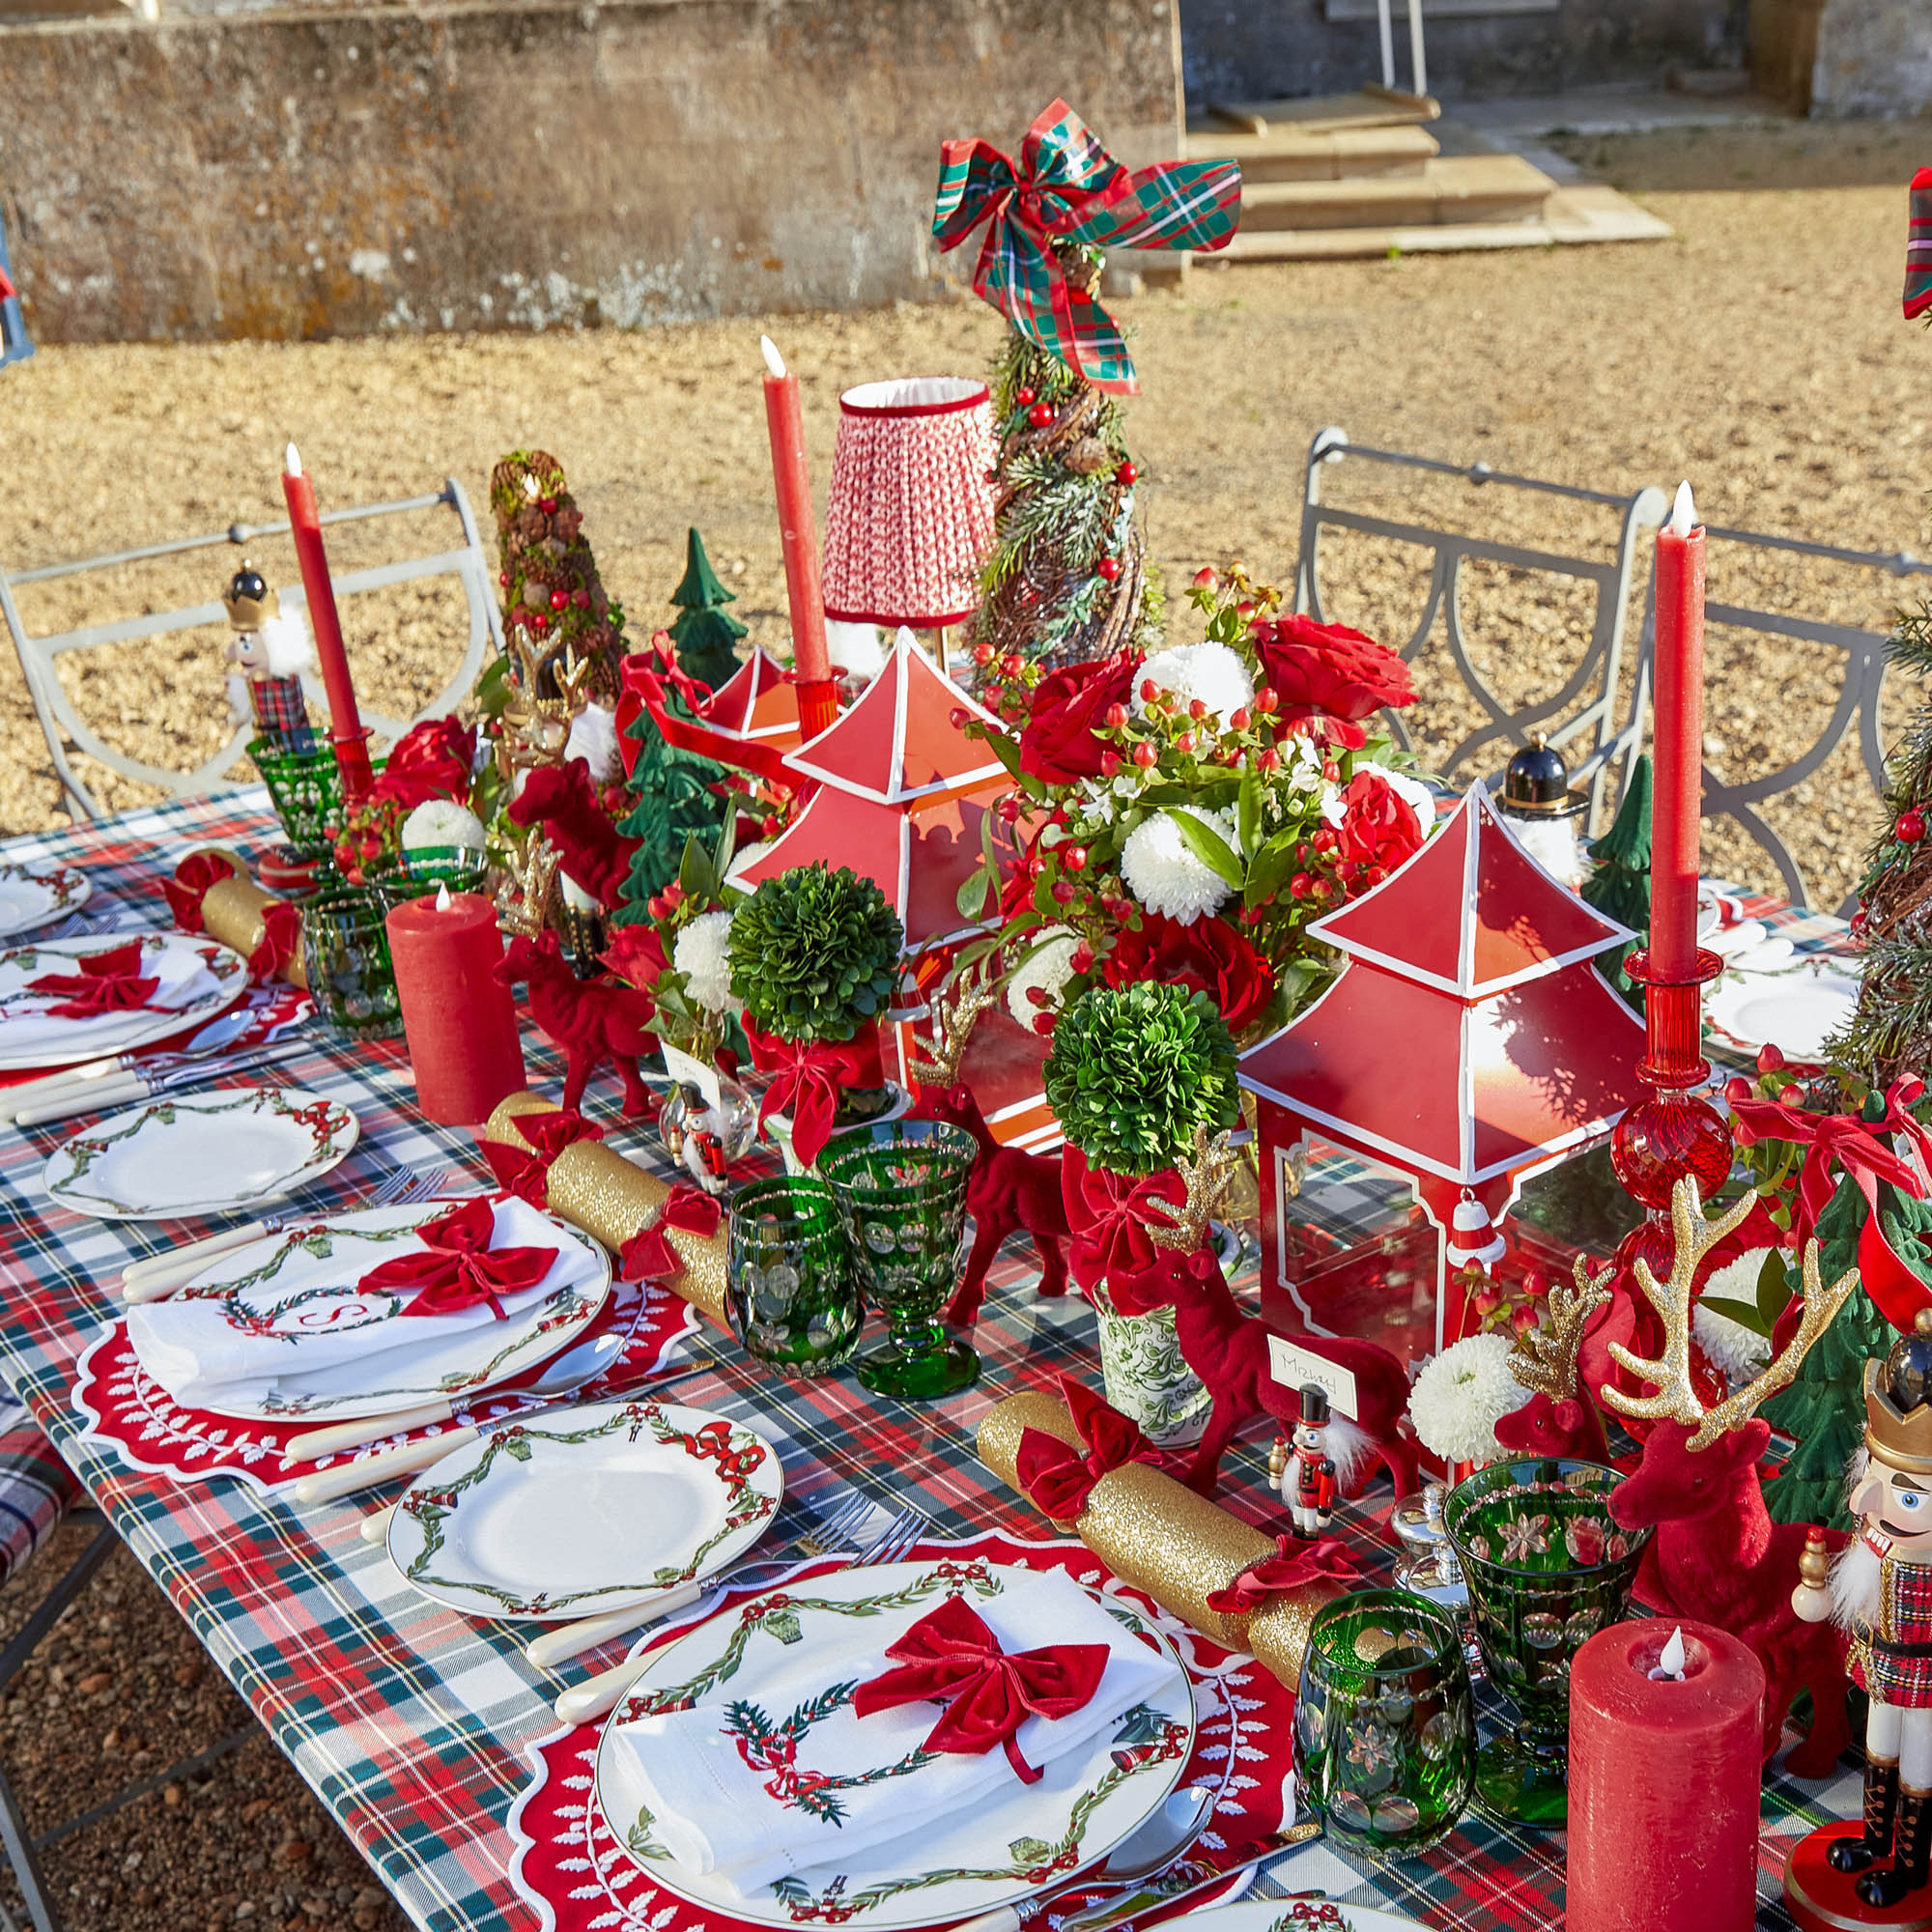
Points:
(1677, 1133)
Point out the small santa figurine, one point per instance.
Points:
(1880, 1589)
(268, 652)
(1306, 1472)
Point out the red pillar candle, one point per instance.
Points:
(1679, 793)
(461, 1024)
(798, 531)
(1664, 1782)
(345, 723)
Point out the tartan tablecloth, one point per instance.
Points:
(410, 1723)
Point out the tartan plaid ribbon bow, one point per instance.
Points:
(1056, 1476)
(1066, 187)
(1294, 1566)
(459, 1269)
(1919, 248)
(648, 1255)
(107, 982)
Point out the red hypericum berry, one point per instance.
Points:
(1023, 396)
(1301, 852)
(1198, 708)
(983, 655)
(1149, 691)
(1043, 1025)
(768, 826)
(1300, 885)
(1910, 826)
(1770, 1060)
(503, 578)
(1062, 893)
(1322, 889)
(1116, 715)
(1266, 702)
(1487, 1300)
(1375, 874)
(560, 600)
(1035, 996)
(1269, 760)
(1184, 743)
(547, 506)
(1144, 755)
(959, 717)
(1040, 414)
(1126, 476)
(994, 693)
(1109, 568)
(1523, 1321)
(582, 599)
(1245, 607)
(1076, 858)
(1205, 580)
(1008, 810)
(1240, 719)
(1081, 958)
(1325, 839)
(538, 621)
(1110, 762)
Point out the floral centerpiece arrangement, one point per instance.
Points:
(1185, 816)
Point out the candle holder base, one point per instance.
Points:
(1823, 1900)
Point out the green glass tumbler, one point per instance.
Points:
(1385, 1724)
(346, 950)
(791, 1291)
(901, 1186)
(1548, 1568)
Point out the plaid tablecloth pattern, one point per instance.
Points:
(410, 1723)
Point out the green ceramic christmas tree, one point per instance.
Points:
(674, 793)
(705, 631)
(1619, 888)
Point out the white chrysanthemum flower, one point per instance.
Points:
(1160, 868)
(1208, 672)
(1049, 965)
(442, 823)
(1413, 792)
(593, 738)
(1736, 1352)
(1461, 1396)
(703, 952)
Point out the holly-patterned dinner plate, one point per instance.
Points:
(1297, 1914)
(214, 1153)
(585, 1509)
(999, 1851)
(31, 1037)
(1795, 1006)
(29, 899)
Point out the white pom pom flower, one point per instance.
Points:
(1208, 672)
(1736, 1352)
(703, 952)
(1461, 1396)
(1047, 967)
(441, 822)
(1160, 869)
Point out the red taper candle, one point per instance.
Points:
(1679, 794)
(460, 1023)
(345, 730)
(798, 531)
(1663, 1781)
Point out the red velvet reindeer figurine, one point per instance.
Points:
(593, 1021)
(1717, 1556)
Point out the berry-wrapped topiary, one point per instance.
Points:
(815, 953)
(1135, 1069)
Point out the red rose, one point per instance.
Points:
(431, 760)
(1208, 955)
(1382, 828)
(1328, 677)
(1057, 745)
(636, 954)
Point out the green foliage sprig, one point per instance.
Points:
(815, 953)
(1135, 1071)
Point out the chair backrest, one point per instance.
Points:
(1580, 717)
(69, 734)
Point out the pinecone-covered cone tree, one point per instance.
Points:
(1069, 578)
(553, 600)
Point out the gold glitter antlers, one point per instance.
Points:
(1543, 1359)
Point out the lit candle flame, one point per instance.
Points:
(1683, 512)
(292, 461)
(768, 350)
(442, 899)
(1671, 1662)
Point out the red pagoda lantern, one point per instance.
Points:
(1466, 1044)
(757, 703)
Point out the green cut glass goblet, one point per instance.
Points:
(1547, 1567)
(791, 1291)
(901, 1186)
(1384, 1726)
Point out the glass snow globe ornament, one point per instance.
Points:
(1543, 812)
(706, 1123)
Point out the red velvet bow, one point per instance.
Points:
(1862, 1150)
(460, 1269)
(1056, 1476)
(188, 887)
(528, 1175)
(811, 1074)
(107, 982)
(1294, 1566)
(281, 940)
(1108, 1214)
(648, 1255)
(952, 1657)
(648, 684)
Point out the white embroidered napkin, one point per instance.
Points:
(27, 1022)
(775, 1773)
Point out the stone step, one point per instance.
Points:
(1319, 154)
(1372, 106)
(1482, 189)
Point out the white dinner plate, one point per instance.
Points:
(214, 1153)
(301, 1284)
(1083, 1805)
(29, 899)
(585, 1509)
(1297, 1914)
(38, 1039)
(1796, 1007)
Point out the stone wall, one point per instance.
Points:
(1874, 57)
(294, 174)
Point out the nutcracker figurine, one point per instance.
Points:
(1880, 1586)
(269, 653)
(1307, 1477)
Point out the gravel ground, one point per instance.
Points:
(1760, 354)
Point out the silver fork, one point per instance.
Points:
(598, 1694)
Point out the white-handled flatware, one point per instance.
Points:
(160, 1275)
(602, 1694)
(90, 1073)
(325, 1486)
(116, 1090)
(568, 1641)
(341, 1437)
(376, 1524)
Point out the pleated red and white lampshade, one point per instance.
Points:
(911, 517)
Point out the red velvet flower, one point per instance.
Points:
(1380, 828)
(1207, 955)
(636, 954)
(1329, 677)
(431, 760)
(1057, 745)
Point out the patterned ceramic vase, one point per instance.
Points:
(1146, 1376)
